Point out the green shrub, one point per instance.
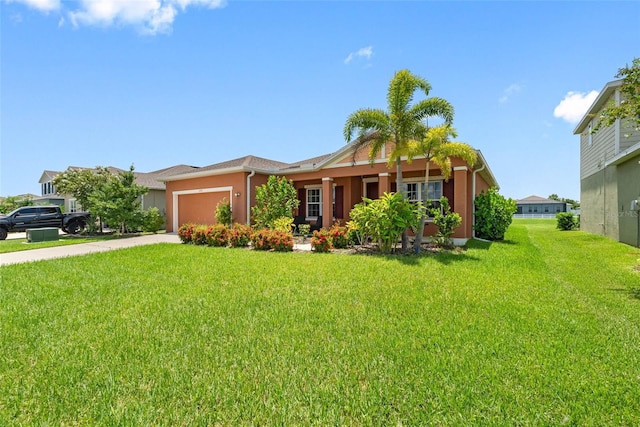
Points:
(223, 213)
(239, 235)
(384, 219)
(275, 199)
(355, 235)
(186, 231)
(284, 223)
(566, 221)
(493, 214)
(446, 221)
(152, 220)
(304, 229)
(321, 241)
(217, 235)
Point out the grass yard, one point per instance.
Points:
(542, 329)
(16, 245)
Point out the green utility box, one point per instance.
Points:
(42, 234)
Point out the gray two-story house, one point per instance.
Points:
(609, 173)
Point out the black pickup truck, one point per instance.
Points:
(40, 217)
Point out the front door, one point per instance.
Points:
(371, 190)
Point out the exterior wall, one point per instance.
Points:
(598, 203)
(593, 155)
(541, 208)
(629, 136)
(195, 199)
(155, 199)
(628, 174)
(210, 191)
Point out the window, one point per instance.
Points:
(48, 188)
(412, 191)
(314, 202)
(73, 206)
(415, 191)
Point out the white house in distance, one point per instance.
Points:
(609, 173)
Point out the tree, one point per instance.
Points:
(436, 148)
(629, 107)
(117, 202)
(401, 123)
(81, 184)
(11, 203)
(275, 199)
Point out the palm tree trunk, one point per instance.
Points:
(417, 243)
(399, 183)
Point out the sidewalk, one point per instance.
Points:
(85, 248)
(88, 248)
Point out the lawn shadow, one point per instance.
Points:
(486, 244)
(632, 293)
(410, 258)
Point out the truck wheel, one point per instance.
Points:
(3, 233)
(74, 227)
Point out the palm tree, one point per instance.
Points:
(400, 124)
(435, 147)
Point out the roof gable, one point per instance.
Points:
(604, 95)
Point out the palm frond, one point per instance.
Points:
(433, 107)
(402, 87)
(372, 129)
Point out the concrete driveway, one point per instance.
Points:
(83, 248)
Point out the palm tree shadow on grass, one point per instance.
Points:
(445, 257)
(632, 293)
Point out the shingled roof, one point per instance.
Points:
(536, 200)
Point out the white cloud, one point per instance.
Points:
(365, 52)
(41, 5)
(148, 16)
(574, 106)
(509, 92)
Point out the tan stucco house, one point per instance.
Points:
(609, 173)
(328, 186)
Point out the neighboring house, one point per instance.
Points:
(152, 180)
(328, 187)
(609, 173)
(539, 207)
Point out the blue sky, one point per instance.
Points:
(155, 83)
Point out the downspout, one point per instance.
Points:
(248, 195)
(473, 203)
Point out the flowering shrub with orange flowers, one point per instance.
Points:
(185, 232)
(339, 238)
(216, 235)
(266, 239)
(321, 241)
(200, 235)
(240, 235)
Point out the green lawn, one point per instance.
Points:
(542, 329)
(16, 245)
